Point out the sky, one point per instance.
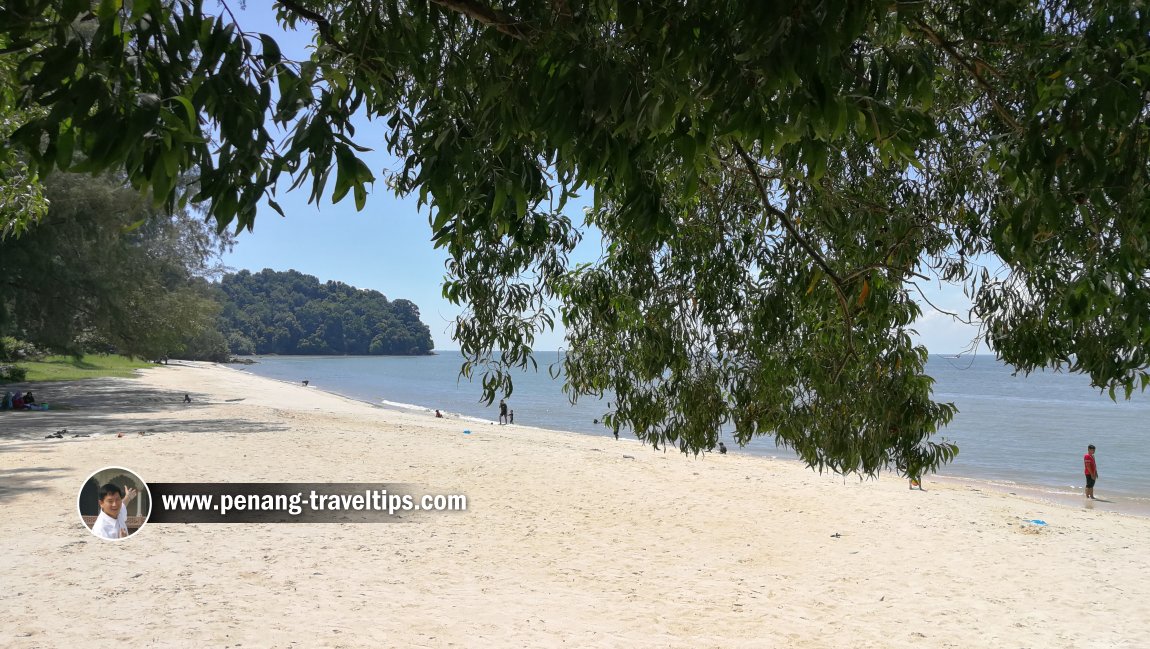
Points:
(387, 247)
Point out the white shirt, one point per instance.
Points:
(107, 527)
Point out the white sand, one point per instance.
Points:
(566, 541)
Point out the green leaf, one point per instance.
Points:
(108, 9)
(271, 50)
(140, 8)
(64, 147)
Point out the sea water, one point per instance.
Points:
(1012, 430)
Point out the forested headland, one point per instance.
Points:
(288, 312)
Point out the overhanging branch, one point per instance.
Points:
(752, 167)
(321, 23)
(836, 282)
(948, 47)
(484, 16)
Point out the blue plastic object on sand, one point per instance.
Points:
(1035, 521)
(466, 432)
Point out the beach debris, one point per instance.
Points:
(56, 435)
(120, 434)
(81, 435)
(466, 432)
(836, 535)
(629, 457)
(1032, 526)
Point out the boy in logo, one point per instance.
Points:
(112, 523)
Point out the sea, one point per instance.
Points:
(1014, 432)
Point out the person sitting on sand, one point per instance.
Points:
(29, 400)
(18, 401)
(112, 523)
(438, 415)
(722, 448)
(187, 398)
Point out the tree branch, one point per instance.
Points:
(937, 308)
(321, 23)
(935, 38)
(790, 227)
(840, 291)
(484, 16)
(324, 27)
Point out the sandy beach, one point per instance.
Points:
(568, 540)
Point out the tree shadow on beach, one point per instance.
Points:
(97, 407)
(25, 479)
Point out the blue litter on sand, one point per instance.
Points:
(466, 432)
(1035, 521)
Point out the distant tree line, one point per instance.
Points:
(287, 312)
(103, 270)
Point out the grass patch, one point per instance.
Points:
(66, 368)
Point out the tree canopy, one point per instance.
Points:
(103, 270)
(291, 313)
(771, 180)
(21, 194)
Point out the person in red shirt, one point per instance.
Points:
(1091, 471)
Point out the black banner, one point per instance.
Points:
(290, 502)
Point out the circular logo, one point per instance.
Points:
(114, 503)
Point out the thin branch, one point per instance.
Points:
(484, 16)
(935, 38)
(940, 309)
(848, 322)
(325, 30)
(786, 221)
(881, 266)
(321, 23)
(15, 48)
(233, 17)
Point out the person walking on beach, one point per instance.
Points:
(502, 411)
(1091, 471)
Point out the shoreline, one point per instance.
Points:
(567, 540)
(1122, 502)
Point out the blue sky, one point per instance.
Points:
(387, 246)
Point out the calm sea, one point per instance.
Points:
(1011, 430)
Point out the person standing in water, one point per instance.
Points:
(1091, 466)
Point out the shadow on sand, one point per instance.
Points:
(25, 479)
(97, 407)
